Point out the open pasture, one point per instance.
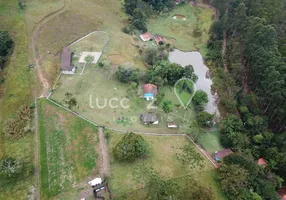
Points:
(68, 151)
(164, 161)
(189, 31)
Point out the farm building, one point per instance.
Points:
(149, 119)
(262, 162)
(146, 36)
(150, 91)
(219, 155)
(282, 193)
(172, 125)
(159, 39)
(66, 66)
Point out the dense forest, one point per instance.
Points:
(247, 54)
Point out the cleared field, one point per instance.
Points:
(163, 160)
(99, 85)
(210, 140)
(78, 19)
(37, 9)
(93, 42)
(68, 151)
(190, 34)
(14, 92)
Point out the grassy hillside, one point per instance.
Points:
(164, 161)
(16, 92)
(190, 28)
(68, 151)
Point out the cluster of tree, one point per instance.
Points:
(70, 101)
(6, 45)
(19, 125)
(190, 73)
(200, 100)
(130, 147)
(154, 55)
(252, 146)
(164, 73)
(127, 74)
(242, 178)
(249, 73)
(139, 10)
(155, 187)
(253, 58)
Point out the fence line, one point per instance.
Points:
(140, 133)
(83, 69)
(202, 151)
(89, 35)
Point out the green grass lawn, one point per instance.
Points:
(163, 160)
(185, 90)
(197, 19)
(210, 140)
(68, 150)
(98, 84)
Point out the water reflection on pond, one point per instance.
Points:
(202, 71)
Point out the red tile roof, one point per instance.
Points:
(261, 161)
(223, 153)
(146, 36)
(282, 193)
(150, 88)
(158, 39)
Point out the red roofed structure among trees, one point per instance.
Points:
(261, 161)
(282, 193)
(158, 39)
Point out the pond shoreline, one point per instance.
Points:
(204, 82)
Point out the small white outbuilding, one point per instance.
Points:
(95, 182)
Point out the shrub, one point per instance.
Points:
(129, 29)
(101, 64)
(22, 4)
(205, 119)
(6, 45)
(20, 125)
(10, 167)
(89, 59)
(125, 74)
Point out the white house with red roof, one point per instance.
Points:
(146, 36)
(150, 91)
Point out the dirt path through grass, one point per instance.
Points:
(46, 87)
(36, 152)
(104, 154)
(37, 58)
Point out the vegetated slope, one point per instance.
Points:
(68, 151)
(250, 78)
(79, 19)
(16, 92)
